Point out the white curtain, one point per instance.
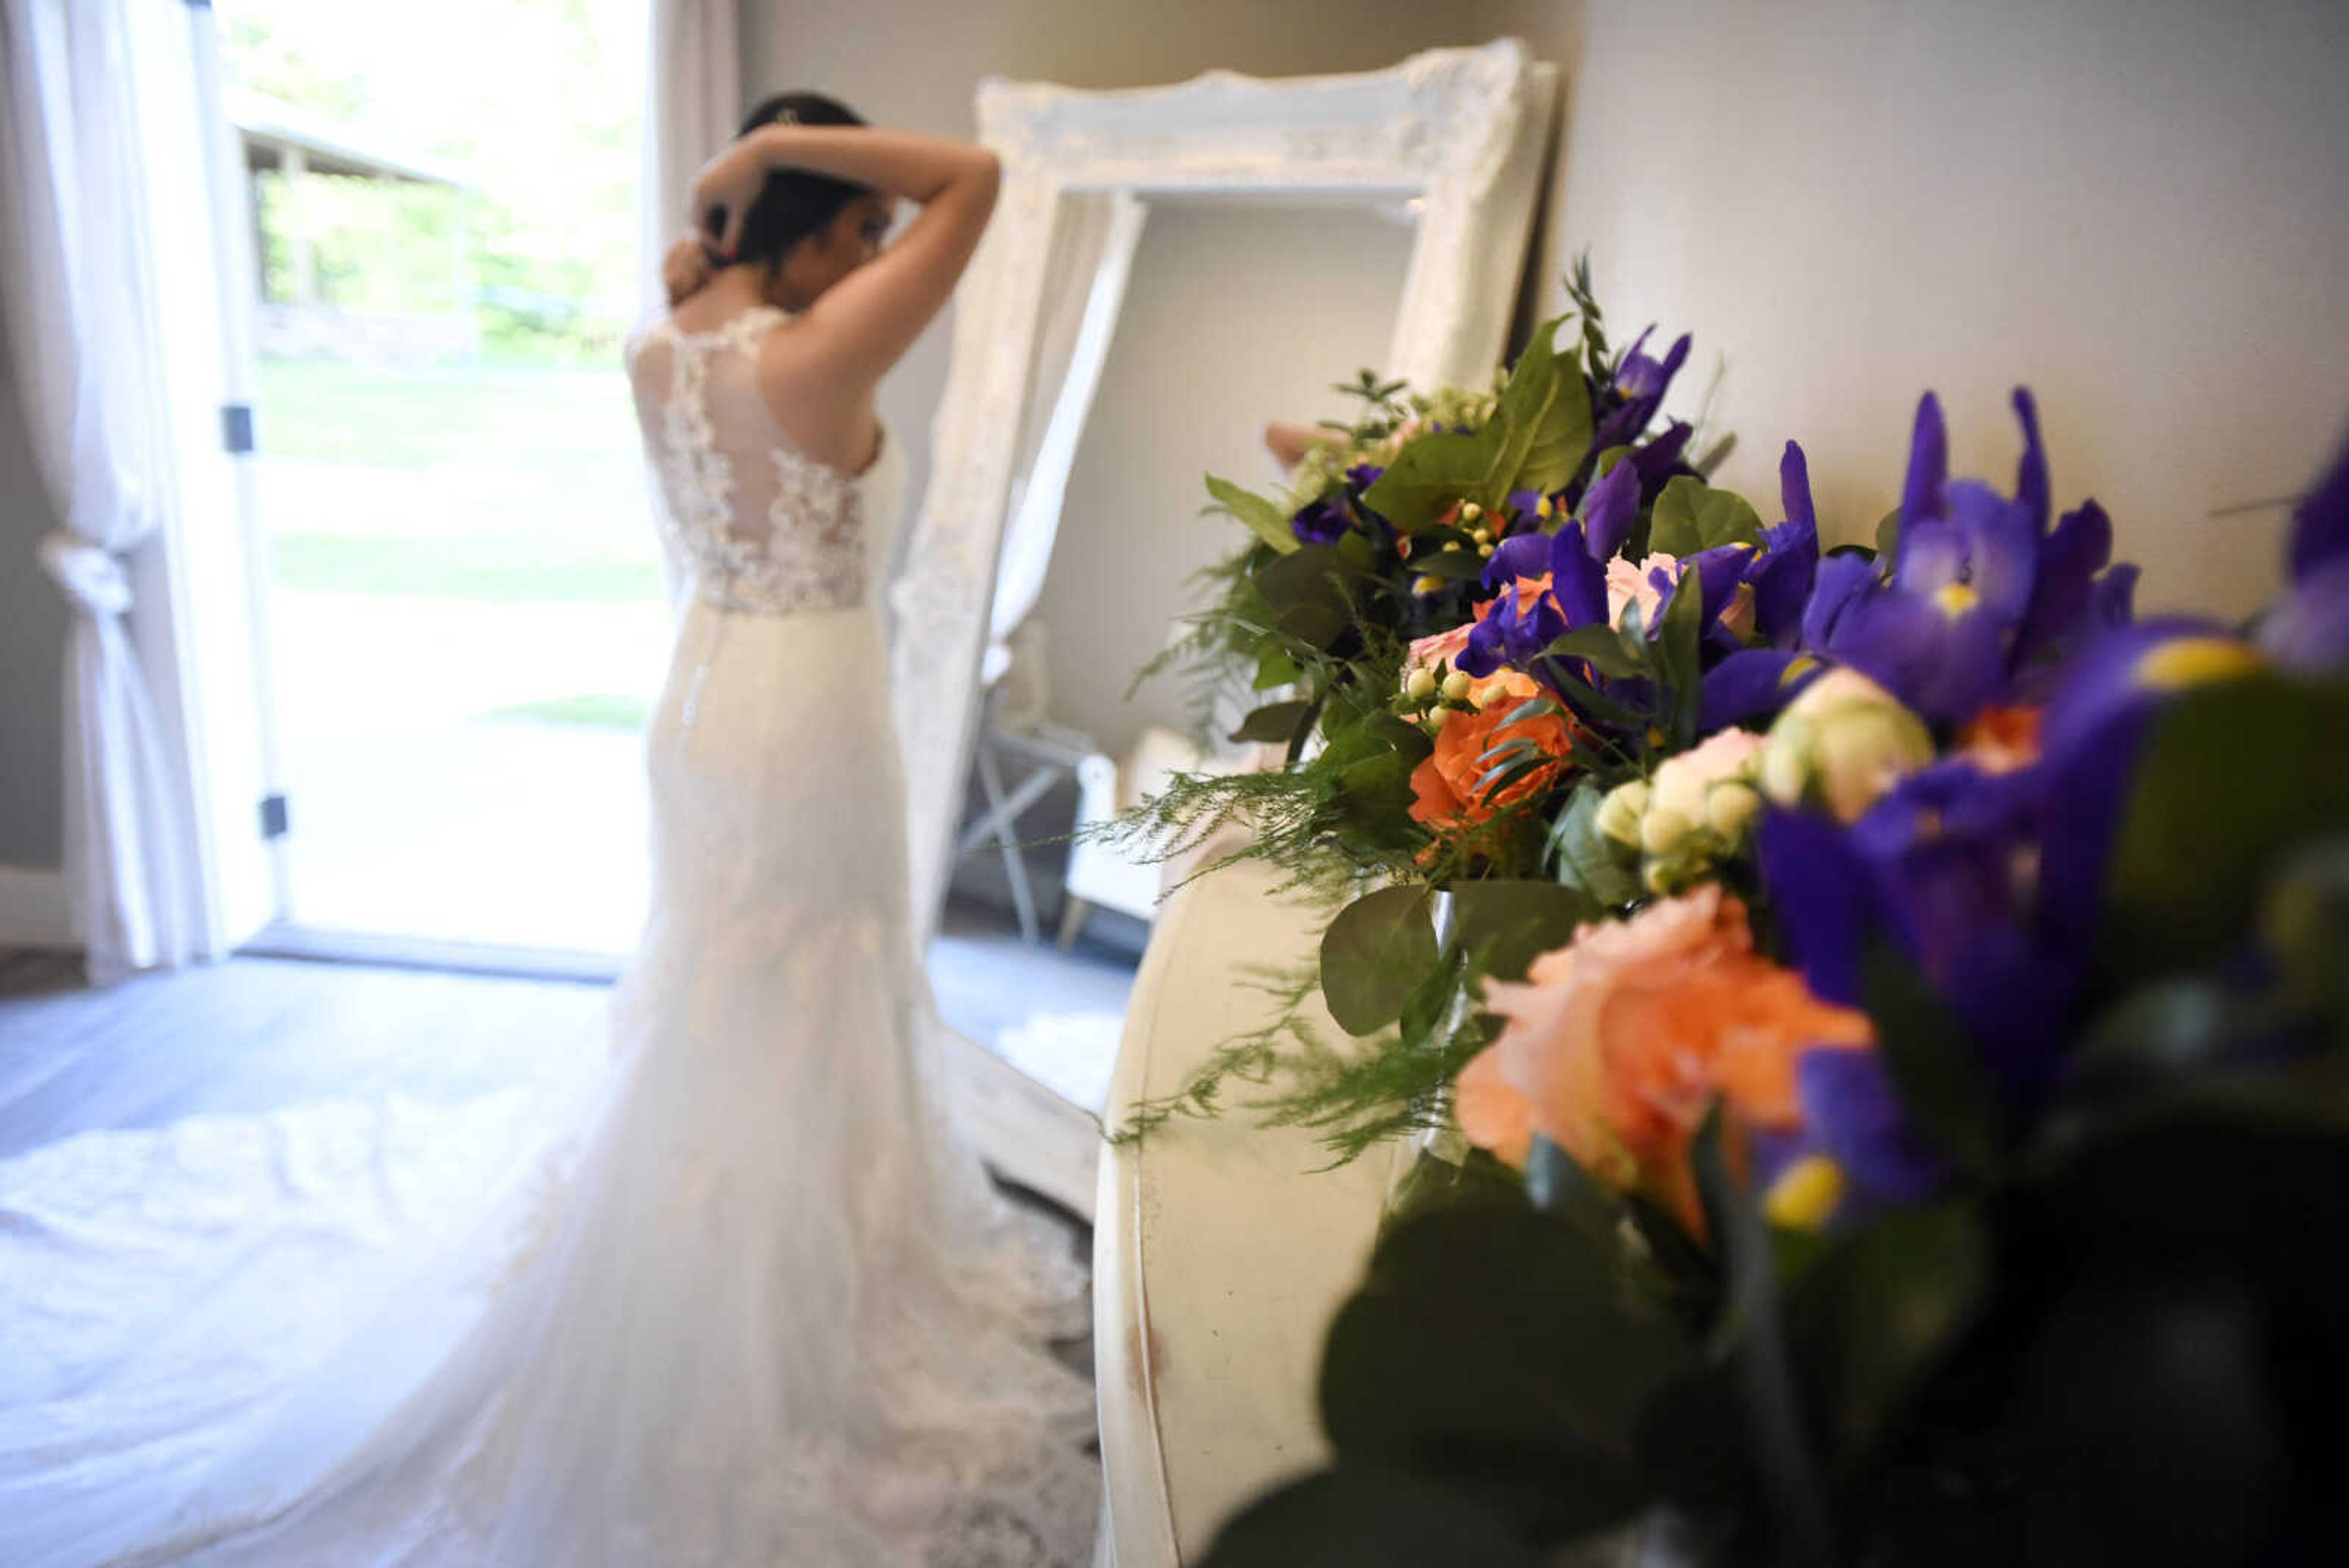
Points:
(693, 105)
(1090, 260)
(79, 264)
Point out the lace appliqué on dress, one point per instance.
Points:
(809, 554)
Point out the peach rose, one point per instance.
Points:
(1445, 781)
(1618, 1044)
(1628, 581)
(1443, 647)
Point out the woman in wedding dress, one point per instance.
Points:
(756, 1305)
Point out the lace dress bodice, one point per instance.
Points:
(752, 523)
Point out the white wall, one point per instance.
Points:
(1233, 316)
(2140, 208)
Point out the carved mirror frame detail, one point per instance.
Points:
(1461, 131)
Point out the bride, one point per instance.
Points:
(759, 1305)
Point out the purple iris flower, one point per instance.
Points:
(1321, 522)
(1982, 589)
(1658, 462)
(1851, 1112)
(1752, 681)
(1944, 868)
(2309, 630)
(2089, 737)
(1642, 382)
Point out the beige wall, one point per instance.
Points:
(1232, 317)
(918, 64)
(2140, 208)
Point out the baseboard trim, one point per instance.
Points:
(34, 909)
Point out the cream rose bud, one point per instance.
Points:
(1620, 812)
(1662, 829)
(1731, 808)
(1846, 737)
(1457, 686)
(1420, 687)
(1683, 782)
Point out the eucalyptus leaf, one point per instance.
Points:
(1507, 924)
(1879, 1314)
(1586, 858)
(1490, 1343)
(1264, 518)
(1366, 1516)
(1273, 721)
(1375, 954)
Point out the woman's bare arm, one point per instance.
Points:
(864, 324)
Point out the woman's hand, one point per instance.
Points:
(726, 187)
(686, 269)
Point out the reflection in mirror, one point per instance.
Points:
(1207, 319)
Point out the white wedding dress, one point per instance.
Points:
(748, 1301)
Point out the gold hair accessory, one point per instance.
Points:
(787, 115)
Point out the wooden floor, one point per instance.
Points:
(256, 1033)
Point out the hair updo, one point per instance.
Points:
(795, 204)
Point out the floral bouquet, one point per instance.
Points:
(1895, 1002)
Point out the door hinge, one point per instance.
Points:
(272, 816)
(236, 429)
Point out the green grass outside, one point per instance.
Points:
(597, 710)
(533, 478)
(503, 568)
(322, 411)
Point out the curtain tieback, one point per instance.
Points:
(89, 573)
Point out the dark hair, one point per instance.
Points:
(795, 204)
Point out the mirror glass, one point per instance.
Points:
(1211, 318)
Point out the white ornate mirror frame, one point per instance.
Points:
(1459, 132)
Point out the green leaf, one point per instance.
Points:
(1362, 1516)
(1264, 519)
(1274, 668)
(1375, 954)
(1751, 1336)
(1452, 565)
(2234, 776)
(1691, 515)
(1535, 440)
(1679, 656)
(1508, 923)
(1302, 591)
(1887, 535)
(1433, 470)
(1587, 858)
(1587, 700)
(1879, 1314)
(1547, 410)
(1273, 721)
(1933, 1061)
(1602, 647)
(1490, 1343)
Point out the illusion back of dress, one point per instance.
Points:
(749, 520)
